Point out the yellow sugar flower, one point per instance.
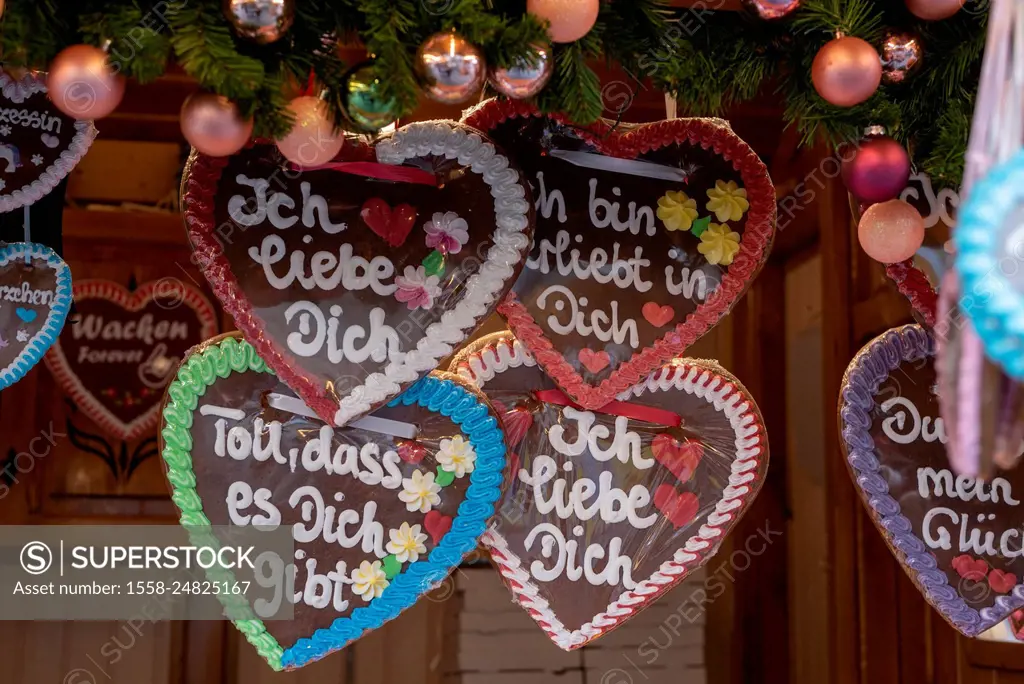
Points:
(727, 201)
(676, 210)
(369, 580)
(719, 245)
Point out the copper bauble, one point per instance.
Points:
(934, 10)
(846, 71)
(569, 20)
(313, 139)
(452, 68)
(261, 21)
(213, 125)
(82, 83)
(526, 78)
(901, 53)
(891, 232)
(771, 9)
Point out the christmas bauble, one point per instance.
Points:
(261, 21)
(452, 68)
(313, 139)
(891, 232)
(934, 10)
(365, 105)
(213, 125)
(771, 9)
(82, 84)
(901, 53)
(846, 71)
(526, 78)
(570, 19)
(878, 169)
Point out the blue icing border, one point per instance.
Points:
(997, 307)
(44, 339)
(468, 412)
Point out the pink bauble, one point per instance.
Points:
(570, 19)
(891, 232)
(846, 71)
(213, 125)
(934, 10)
(82, 83)
(313, 140)
(877, 170)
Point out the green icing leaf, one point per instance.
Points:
(391, 566)
(434, 263)
(444, 478)
(700, 225)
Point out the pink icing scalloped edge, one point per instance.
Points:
(132, 301)
(914, 285)
(758, 233)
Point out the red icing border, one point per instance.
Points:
(915, 286)
(131, 301)
(758, 233)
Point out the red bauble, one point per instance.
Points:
(877, 170)
(934, 10)
(846, 71)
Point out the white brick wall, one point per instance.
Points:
(498, 643)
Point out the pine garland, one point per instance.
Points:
(710, 61)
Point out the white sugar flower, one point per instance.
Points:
(446, 232)
(457, 456)
(369, 580)
(407, 543)
(420, 492)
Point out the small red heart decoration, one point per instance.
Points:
(678, 508)
(594, 361)
(658, 316)
(679, 457)
(967, 567)
(517, 423)
(437, 524)
(393, 225)
(1002, 582)
(411, 452)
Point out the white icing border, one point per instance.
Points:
(512, 211)
(497, 356)
(85, 133)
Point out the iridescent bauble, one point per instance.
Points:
(526, 78)
(934, 10)
(901, 53)
(83, 84)
(365, 105)
(846, 71)
(570, 19)
(261, 21)
(877, 170)
(213, 125)
(313, 139)
(891, 232)
(452, 69)
(771, 9)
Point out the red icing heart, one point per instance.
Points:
(411, 452)
(594, 361)
(658, 316)
(437, 525)
(1002, 582)
(517, 423)
(967, 567)
(678, 508)
(393, 225)
(679, 457)
(627, 219)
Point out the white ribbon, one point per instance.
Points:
(632, 167)
(384, 426)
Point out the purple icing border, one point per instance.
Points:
(865, 374)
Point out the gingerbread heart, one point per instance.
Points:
(645, 238)
(592, 528)
(957, 538)
(35, 295)
(39, 144)
(325, 272)
(115, 360)
(372, 532)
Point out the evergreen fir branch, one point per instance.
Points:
(205, 48)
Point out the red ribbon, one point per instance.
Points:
(648, 414)
(390, 172)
